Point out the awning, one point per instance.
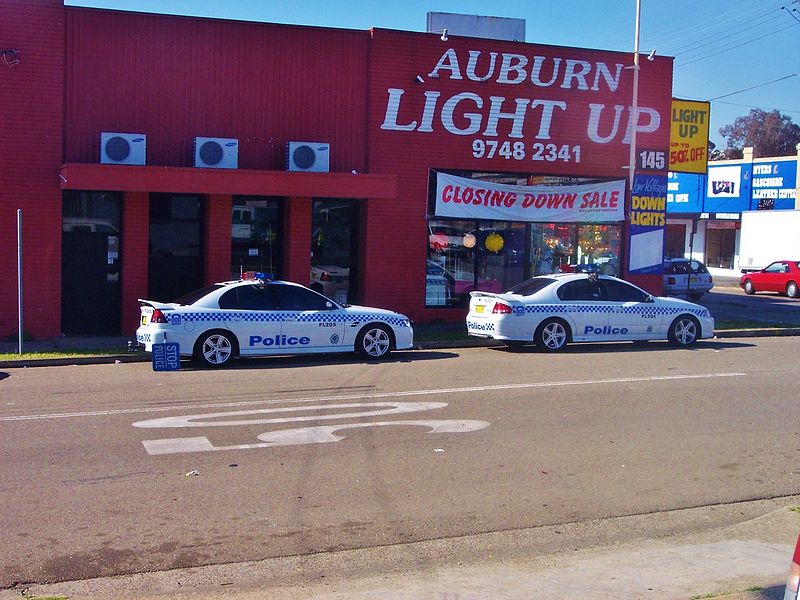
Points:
(188, 180)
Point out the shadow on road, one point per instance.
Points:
(608, 347)
(316, 360)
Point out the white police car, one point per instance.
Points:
(258, 317)
(552, 310)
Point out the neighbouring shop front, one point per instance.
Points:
(705, 210)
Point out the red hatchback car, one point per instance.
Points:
(782, 276)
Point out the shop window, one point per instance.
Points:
(599, 245)
(334, 225)
(255, 236)
(562, 247)
(466, 256)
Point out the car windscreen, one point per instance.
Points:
(530, 286)
(194, 296)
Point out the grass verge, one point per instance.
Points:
(11, 356)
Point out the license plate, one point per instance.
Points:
(479, 309)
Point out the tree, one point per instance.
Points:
(769, 133)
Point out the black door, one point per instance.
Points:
(91, 301)
(176, 252)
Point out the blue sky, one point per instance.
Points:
(720, 46)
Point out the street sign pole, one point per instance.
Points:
(19, 274)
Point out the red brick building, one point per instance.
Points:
(384, 113)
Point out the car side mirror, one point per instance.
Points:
(650, 299)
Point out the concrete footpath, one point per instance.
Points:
(738, 551)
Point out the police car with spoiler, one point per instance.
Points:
(257, 317)
(553, 310)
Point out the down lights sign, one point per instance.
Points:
(475, 102)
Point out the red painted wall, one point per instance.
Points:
(134, 256)
(411, 141)
(175, 78)
(217, 259)
(31, 104)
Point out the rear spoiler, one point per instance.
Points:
(154, 304)
(479, 294)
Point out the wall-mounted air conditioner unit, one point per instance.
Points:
(123, 148)
(216, 153)
(308, 156)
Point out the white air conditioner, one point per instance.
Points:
(216, 153)
(308, 156)
(123, 148)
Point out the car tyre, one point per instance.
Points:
(215, 349)
(695, 296)
(552, 335)
(684, 331)
(749, 288)
(791, 290)
(374, 342)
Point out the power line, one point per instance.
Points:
(782, 110)
(754, 87)
(695, 47)
(716, 22)
(734, 45)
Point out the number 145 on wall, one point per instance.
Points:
(652, 160)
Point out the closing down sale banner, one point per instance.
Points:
(464, 198)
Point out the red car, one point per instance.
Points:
(782, 276)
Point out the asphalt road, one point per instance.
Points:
(93, 483)
(731, 305)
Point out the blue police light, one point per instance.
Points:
(256, 275)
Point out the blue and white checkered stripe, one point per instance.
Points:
(643, 310)
(302, 317)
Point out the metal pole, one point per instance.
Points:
(635, 104)
(19, 274)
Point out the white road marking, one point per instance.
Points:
(322, 434)
(428, 392)
(383, 408)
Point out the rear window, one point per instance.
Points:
(194, 296)
(676, 268)
(530, 286)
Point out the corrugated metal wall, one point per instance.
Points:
(174, 78)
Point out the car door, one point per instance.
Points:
(773, 278)
(250, 312)
(633, 315)
(584, 305)
(311, 322)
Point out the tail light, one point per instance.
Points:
(325, 276)
(671, 281)
(500, 308)
(158, 317)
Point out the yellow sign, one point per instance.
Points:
(688, 136)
